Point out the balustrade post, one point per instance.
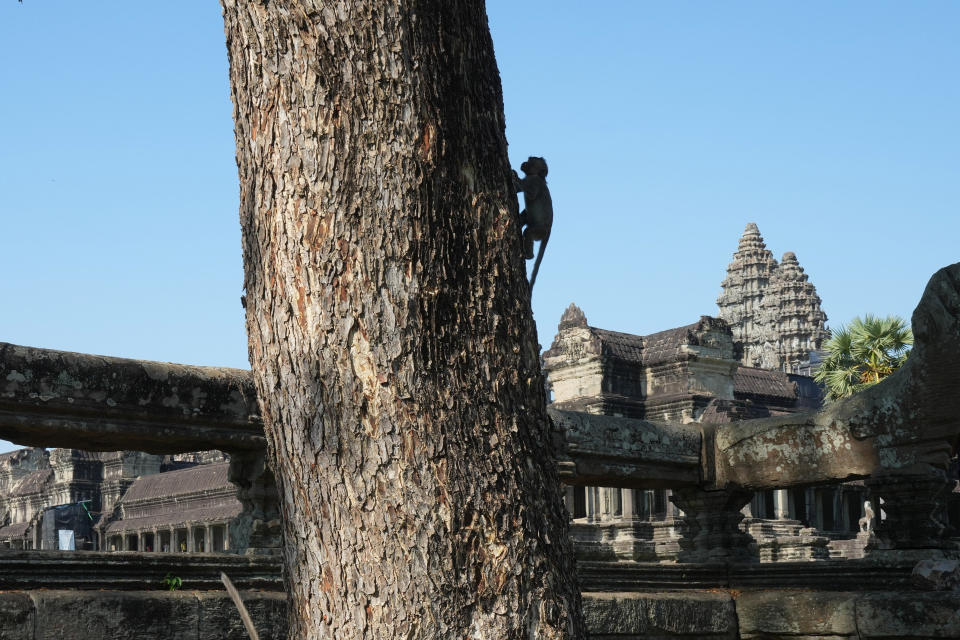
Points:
(258, 529)
(710, 528)
(915, 509)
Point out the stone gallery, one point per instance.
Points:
(744, 364)
(712, 494)
(127, 500)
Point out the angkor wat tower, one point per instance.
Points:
(773, 309)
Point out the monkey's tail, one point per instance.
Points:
(536, 265)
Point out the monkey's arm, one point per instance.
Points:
(532, 187)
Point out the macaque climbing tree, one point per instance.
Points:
(390, 330)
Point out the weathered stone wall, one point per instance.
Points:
(772, 615)
(715, 614)
(138, 615)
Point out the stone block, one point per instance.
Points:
(908, 616)
(688, 614)
(17, 616)
(219, 618)
(796, 614)
(937, 575)
(108, 615)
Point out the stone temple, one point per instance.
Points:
(710, 498)
(772, 308)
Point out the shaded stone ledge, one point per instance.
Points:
(755, 615)
(829, 575)
(134, 571)
(714, 614)
(145, 571)
(61, 399)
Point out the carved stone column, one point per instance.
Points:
(628, 509)
(593, 511)
(781, 504)
(914, 507)
(258, 529)
(710, 528)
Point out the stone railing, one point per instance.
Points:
(59, 399)
(898, 436)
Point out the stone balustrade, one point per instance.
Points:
(898, 435)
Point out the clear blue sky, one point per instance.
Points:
(668, 126)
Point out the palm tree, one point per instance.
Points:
(863, 353)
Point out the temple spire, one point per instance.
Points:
(772, 308)
(740, 303)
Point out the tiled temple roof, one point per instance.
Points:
(654, 348)
(763, 382)
(177, 517)
(14, 530)
(664, 345)
(623, 346)
(16, 453)
(33, 482)
(174, 483)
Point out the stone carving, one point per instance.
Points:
(866, 522)
(937, 574)
(773, 309)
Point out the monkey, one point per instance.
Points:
(538, 214)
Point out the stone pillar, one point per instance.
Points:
(628, 510)
(207, 539)
(609, 497)
(915, 510)
(603, 500)
(190, 540)
(593, 504)
(839, 518)
(811, 507)
(781, 504)
(173, 540)
(258, 529)
(710, 530)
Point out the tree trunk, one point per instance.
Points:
(390, 330)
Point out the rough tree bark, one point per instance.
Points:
(390, 330)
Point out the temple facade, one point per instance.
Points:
(751, 361)
(772, 308)
(689, 374)
(122, 499)
(183, 511)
